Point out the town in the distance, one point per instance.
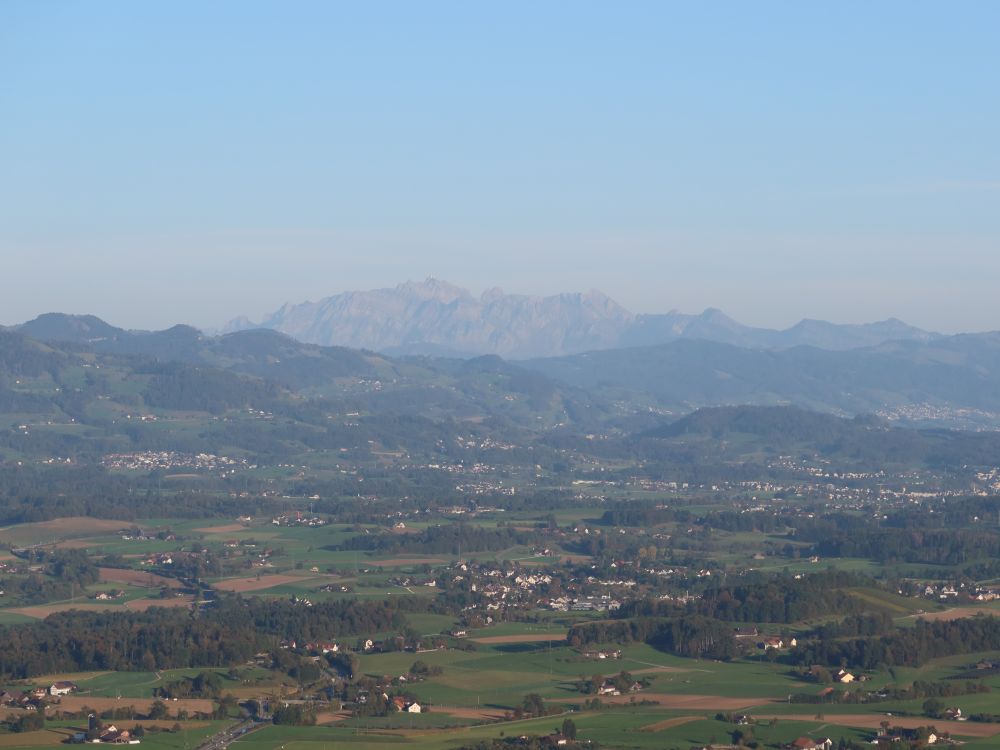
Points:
(368, 521)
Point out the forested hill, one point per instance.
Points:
(75, 400)
(948, 375)
(861, 441)
(299, 397)
(943, 381)
(262, 353)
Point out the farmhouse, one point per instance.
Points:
(406, 706)
(807, 743)
(115, 736)
(63, 687)
(926, 735)
(107, 596)
(606, 654)
(556, 740)
(608, 687)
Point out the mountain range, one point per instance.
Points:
(941, 380)
(75, 401)
(436, 318)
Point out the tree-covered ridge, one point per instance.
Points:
(774, 599)
(446, 538)
(909, 647)
(228, 633)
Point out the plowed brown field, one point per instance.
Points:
(522, 638)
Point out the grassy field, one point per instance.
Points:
(624, 728)
(56, 733)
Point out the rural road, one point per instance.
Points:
(222, 740)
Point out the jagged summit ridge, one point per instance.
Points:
(436, 317)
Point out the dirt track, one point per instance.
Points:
(669, 723)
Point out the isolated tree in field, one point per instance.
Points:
(419, 667)
(533, 705)
(158, 710)
(742, 736)
(569, 729)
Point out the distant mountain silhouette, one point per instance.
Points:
(435, 318)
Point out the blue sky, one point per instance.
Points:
(190, 161)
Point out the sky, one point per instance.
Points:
(165, 162)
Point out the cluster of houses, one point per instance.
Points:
(497, 589)
(109, 735)
(764, 642)
(602, 603)
(899, 737)
(842, 676)
(947, 591)
(322, 647)
(153, 460)
(330, 588)
(10, 566)
(157, 559)
(887, 736)
(261, 558)
(107, 596)
(802, 743)
(298, 519)
(36, 698)
(486, 488)
(399, 703)
(610, 687)
(405, 705)
(776, 643)
(608, 653)
(808, 743)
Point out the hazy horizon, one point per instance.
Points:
(192, 163)
(218, 326)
